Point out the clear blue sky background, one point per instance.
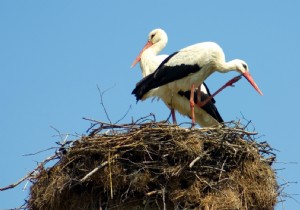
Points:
(53, 54)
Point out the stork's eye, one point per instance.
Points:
(244, 65)
(152, 36)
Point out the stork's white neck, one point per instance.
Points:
(149, 58)
(158, 46)
(233, 65)
(148, 62)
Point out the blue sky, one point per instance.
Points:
(54, 54)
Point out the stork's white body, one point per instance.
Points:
(207, 55)
(169, 93)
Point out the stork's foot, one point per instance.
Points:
(193, 125)
(232, 81)
(227, 84)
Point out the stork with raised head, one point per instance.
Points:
(149, 59)
(187, 68)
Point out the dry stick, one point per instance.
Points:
(91, 127)
(229, 129)
(18, 182)
(104, 125)
(164, 198)
(96, 169)
(30, 174)
(222, 169)
(102, 103)
(124, 115)
(142, 119)
(194, 161)
(110, 176)
(59, 134)
(31, 154)
(109, 125)
(153, 192)
(243, 131)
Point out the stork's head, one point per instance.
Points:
(157, 40)
(158, 36)
(242, 67)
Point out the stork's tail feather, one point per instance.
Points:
(211, 108)
(143, 86)
(138, 92)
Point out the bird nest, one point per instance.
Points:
(159, 166)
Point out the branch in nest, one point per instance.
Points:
(32, 173)
(97, 168)
(102, 103)
(105, 126)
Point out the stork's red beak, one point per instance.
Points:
(138, 58)
(248, 76)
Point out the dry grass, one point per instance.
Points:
(159, 166)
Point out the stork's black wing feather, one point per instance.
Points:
(164, 74)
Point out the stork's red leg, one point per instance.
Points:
(173, 116)
(229, 83)
(192, 104)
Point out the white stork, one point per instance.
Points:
(207, 115)
(187, 68)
